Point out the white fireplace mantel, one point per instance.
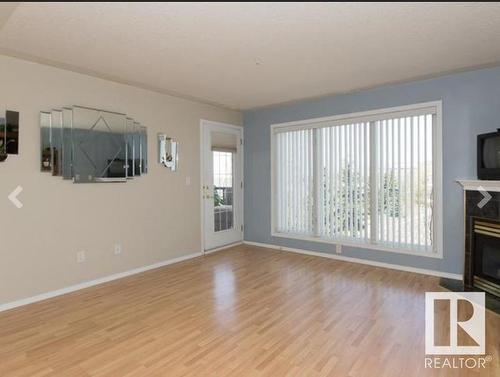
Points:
(479, 185)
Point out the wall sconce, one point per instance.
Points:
(168, 152)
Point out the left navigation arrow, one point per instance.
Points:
(13, 197)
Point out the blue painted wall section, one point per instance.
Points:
(471, 105)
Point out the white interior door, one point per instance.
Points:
(222, 185)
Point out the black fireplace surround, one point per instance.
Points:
(482, 251)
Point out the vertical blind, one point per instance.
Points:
(368, 180)
(295, 181)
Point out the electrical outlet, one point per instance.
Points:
(188, 181)
(80, 257)
(118, 249)
(338, 248)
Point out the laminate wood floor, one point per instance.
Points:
(245, 311)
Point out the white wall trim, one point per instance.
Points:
(91, 283)
(479, 184)
(347, 117)
(358, 260)
(223, 247)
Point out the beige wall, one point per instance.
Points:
(155, 217)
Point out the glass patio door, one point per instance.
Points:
(223, 185)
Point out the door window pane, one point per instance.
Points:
(223, 190)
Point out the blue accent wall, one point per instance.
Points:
(471, 105)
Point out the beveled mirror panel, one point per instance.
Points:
(56, 138)
(137, 149)
(46, 161)
(67, 143)
(129, 143)
(99, 145)
(144, 149)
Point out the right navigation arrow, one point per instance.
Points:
(486, 197)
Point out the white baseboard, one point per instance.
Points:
(223, 247)
(358, 260)
(87, 284)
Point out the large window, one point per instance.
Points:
(370, 179)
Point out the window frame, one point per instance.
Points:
(372, 115)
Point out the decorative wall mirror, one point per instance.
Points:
(168, 152)
(91, 145)
(9, 134)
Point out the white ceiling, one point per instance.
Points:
(249, 55)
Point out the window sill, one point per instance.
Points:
(360, 245)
